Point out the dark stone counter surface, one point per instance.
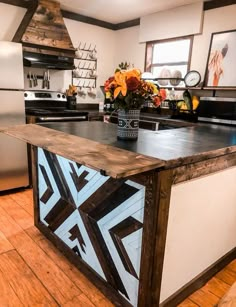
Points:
(175, 146)
(95, 145)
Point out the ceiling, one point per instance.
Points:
(116, 11)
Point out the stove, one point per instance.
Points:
(41, 106)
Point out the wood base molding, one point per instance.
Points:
(199, 280)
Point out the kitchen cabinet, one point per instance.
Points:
(135, 216)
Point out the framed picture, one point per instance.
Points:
(221, 62)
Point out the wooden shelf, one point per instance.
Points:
(90, 78)
(225, 88)
(85, 59)
(181, 88)
(200, 88)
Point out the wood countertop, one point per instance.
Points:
(95, 144)
(111, 161)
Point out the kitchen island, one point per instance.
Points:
(148, 221)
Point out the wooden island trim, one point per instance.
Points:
(109, 160)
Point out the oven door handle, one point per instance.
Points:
(60, 119)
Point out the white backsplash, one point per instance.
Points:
(59, 81)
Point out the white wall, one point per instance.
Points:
(10, 19)
(128, 49)
(217, 20)
(104, 39)
(115, 47)
(201, 227)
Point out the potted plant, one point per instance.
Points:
(128, 91)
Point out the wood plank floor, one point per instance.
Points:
(34, 273)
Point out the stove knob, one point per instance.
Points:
(58, 96)
(25, 94)
(63, 96)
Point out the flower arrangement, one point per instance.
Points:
(128, 91)
(72, 91)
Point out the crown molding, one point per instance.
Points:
(208, 5)
(86, 19)
(100, 23)
(127, 24)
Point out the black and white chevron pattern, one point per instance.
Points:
(98, 217)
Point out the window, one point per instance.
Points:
(169, 59)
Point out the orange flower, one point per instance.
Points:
(120, 83)
(133, 73)
(128, 91)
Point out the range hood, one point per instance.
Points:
(45, 39)
(45, 60)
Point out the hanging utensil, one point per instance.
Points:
(48, 80)
(30, 79)
(35, 82)
(44, 80)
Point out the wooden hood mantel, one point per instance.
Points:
(43, 27)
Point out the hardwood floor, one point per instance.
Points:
(34, 273)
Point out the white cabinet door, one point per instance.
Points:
(11, 66)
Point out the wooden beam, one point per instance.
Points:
(157, 201)
(86, 19)
(127, 24)
(32, 6)
(209, 5)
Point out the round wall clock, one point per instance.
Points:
(192, 78)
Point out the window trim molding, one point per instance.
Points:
(149, 51)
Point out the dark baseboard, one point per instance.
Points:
(199, 281)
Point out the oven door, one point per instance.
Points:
(31, 119)
(79, 118)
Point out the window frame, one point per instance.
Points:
(148, 65)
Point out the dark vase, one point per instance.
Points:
(128, 124)
(71, 102)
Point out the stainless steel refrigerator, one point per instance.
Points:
(13, 153)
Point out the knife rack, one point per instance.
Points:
(37, 76)
(33, 80)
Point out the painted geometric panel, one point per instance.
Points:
(96, 216)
